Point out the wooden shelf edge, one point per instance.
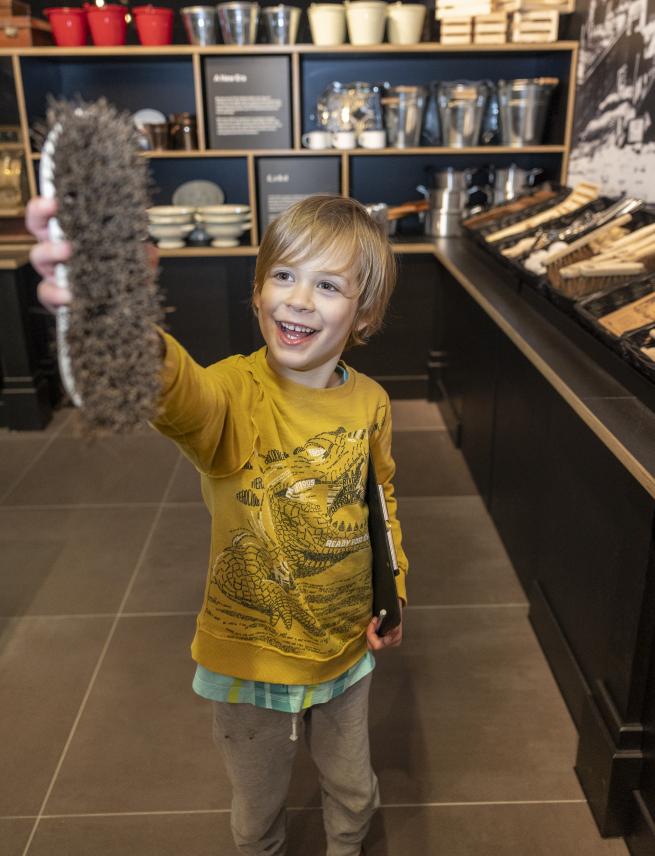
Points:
(189, 50)
(352, 153)
(211, 252)
(6, 213)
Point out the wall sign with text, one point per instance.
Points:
(283, 181)
(248, 102)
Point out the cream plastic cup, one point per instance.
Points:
(405, 23)
(366, 20)
(327, 23)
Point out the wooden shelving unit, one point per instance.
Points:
(240, 165)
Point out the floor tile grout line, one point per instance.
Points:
(35, 460)
(192, 811)
(102, 656)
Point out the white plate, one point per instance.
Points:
(148, 116)
(197, 193)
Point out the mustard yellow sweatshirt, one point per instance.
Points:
(283, 474)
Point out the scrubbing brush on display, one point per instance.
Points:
(108, 347)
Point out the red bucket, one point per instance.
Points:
(69, 26)
(107, 24)
(154, 24)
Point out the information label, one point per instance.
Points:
(248, 102)
(283, 181)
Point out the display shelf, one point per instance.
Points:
(12, 212)
(189, 50)
(421, 246)
(176, 78)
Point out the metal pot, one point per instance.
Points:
(403, 115)
(509, 182)
(200, 24)
(523, 109)
(461, 110)
(447, 208)
(238, 22)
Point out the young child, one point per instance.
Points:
(281, 439)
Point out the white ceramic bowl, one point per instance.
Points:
(169, 214)
(227, 230)
(222, 218)
(164, 231)
(222, 210)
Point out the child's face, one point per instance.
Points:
(306, 312)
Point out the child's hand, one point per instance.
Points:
(390, 640)
(46, 254)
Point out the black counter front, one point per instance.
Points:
(559, 435)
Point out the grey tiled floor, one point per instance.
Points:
(105, 749)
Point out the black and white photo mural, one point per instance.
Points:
(614, 125)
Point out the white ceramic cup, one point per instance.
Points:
(327, 23)
(317, 140)
(405, 23)
(372, 139)
(366, 20)
(344, 140)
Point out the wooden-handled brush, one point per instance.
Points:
(109, 349)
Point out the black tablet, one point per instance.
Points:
(385, 564)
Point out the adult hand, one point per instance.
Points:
(46, 254)
(390, 640)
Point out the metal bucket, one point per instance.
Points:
(281, 24)
(461, 110)
(403, 115)
(523, 109)
(238, 22)
(200, 24)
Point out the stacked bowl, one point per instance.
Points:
(170, 225)
(225, 224)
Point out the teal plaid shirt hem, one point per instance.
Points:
(288, 698)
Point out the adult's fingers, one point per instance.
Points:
(45, 255)
(51, 296)
(39, 211)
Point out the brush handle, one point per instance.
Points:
(56, 235)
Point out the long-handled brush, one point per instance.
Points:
(109, 349)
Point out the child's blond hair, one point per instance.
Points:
(333, 225)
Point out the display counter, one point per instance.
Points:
(559, 434)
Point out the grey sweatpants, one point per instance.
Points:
(259, 753)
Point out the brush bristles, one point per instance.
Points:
(102, 192)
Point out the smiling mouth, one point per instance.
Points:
(292, 334)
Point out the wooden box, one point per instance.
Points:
(455, 31)
(562, 6)
(458, 9)
(9, 8)
(535, 26)
(21, 31)
(491, 29)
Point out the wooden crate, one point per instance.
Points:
(535, 26)
(9, 8)
(491, 29)
(564, 7)
(20, 31)
(455, 31)
(449, 9)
